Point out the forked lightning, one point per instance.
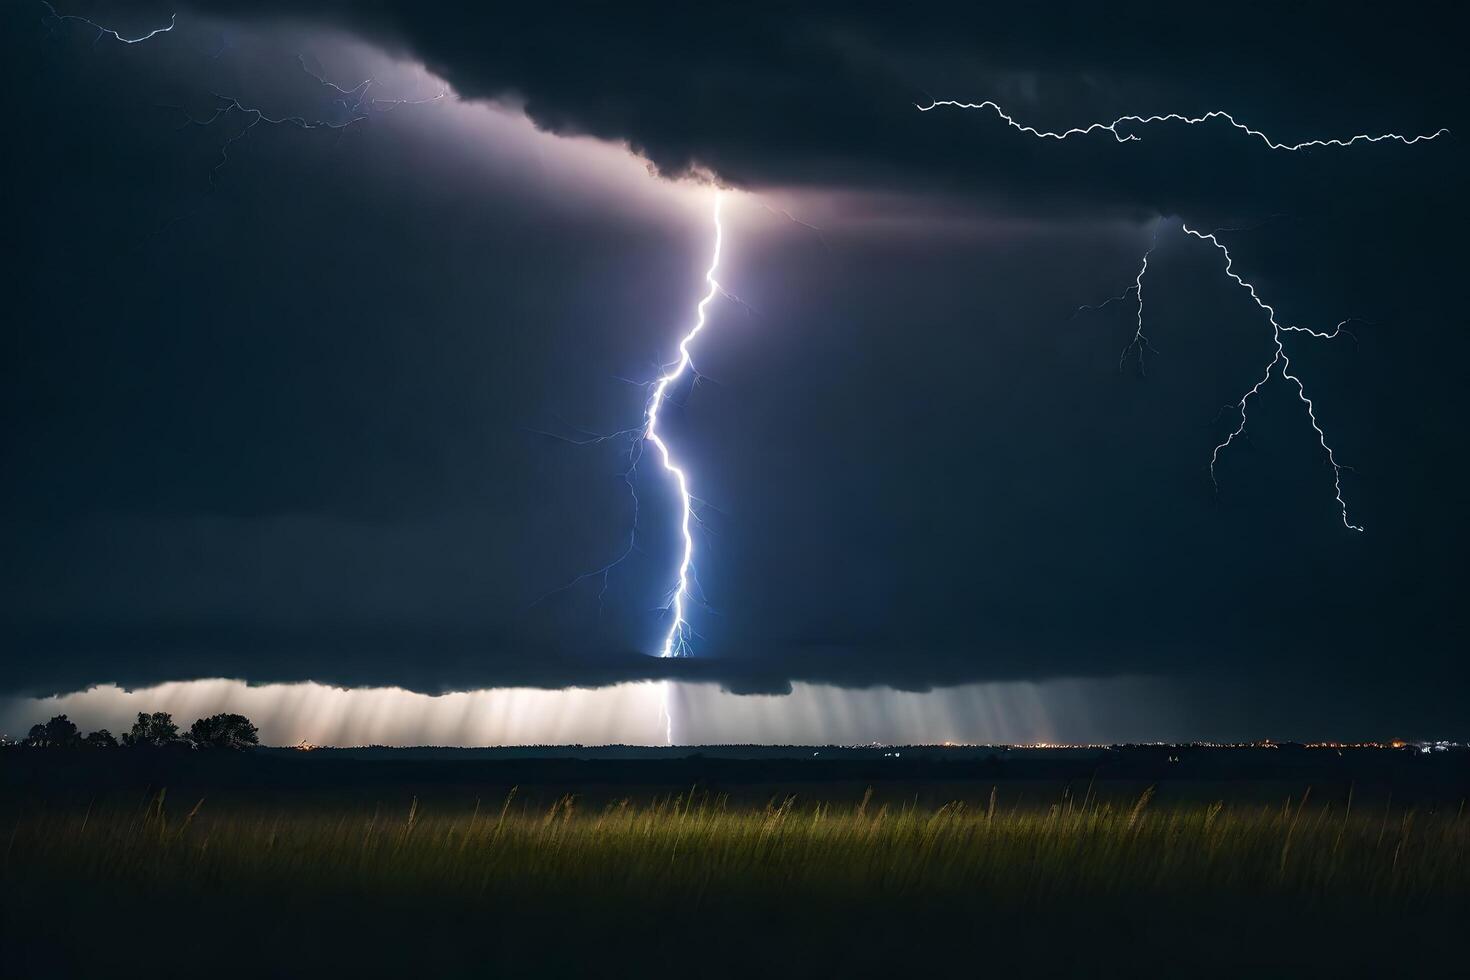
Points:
(1121, 130)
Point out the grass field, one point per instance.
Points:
(695, 886)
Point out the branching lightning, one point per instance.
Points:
(107, 31)
(354, 101)
(1278, 357)
(1139, 344)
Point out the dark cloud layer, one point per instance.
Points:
(288, 428)
(824, 94)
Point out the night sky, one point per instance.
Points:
(302, 403)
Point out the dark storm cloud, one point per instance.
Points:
(287, 428)
(824, 94)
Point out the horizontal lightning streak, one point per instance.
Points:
(109, 32)
(358, 109)
(1122, 137)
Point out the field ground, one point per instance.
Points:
(418, 866)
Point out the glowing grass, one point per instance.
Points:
(677, 846)
(789, 873)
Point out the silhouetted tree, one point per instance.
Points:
(100, 739)
(153, 731)
(58, 733)
(224, 731)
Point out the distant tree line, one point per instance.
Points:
(155, 730)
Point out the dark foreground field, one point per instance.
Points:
(279, 865)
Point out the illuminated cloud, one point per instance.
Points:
(291, 426)
(291, 714)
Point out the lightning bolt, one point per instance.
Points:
(676, 640)
(1140, 343)
(107, 31)
(1279, 358)
(1125, 137)
(677, 637)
